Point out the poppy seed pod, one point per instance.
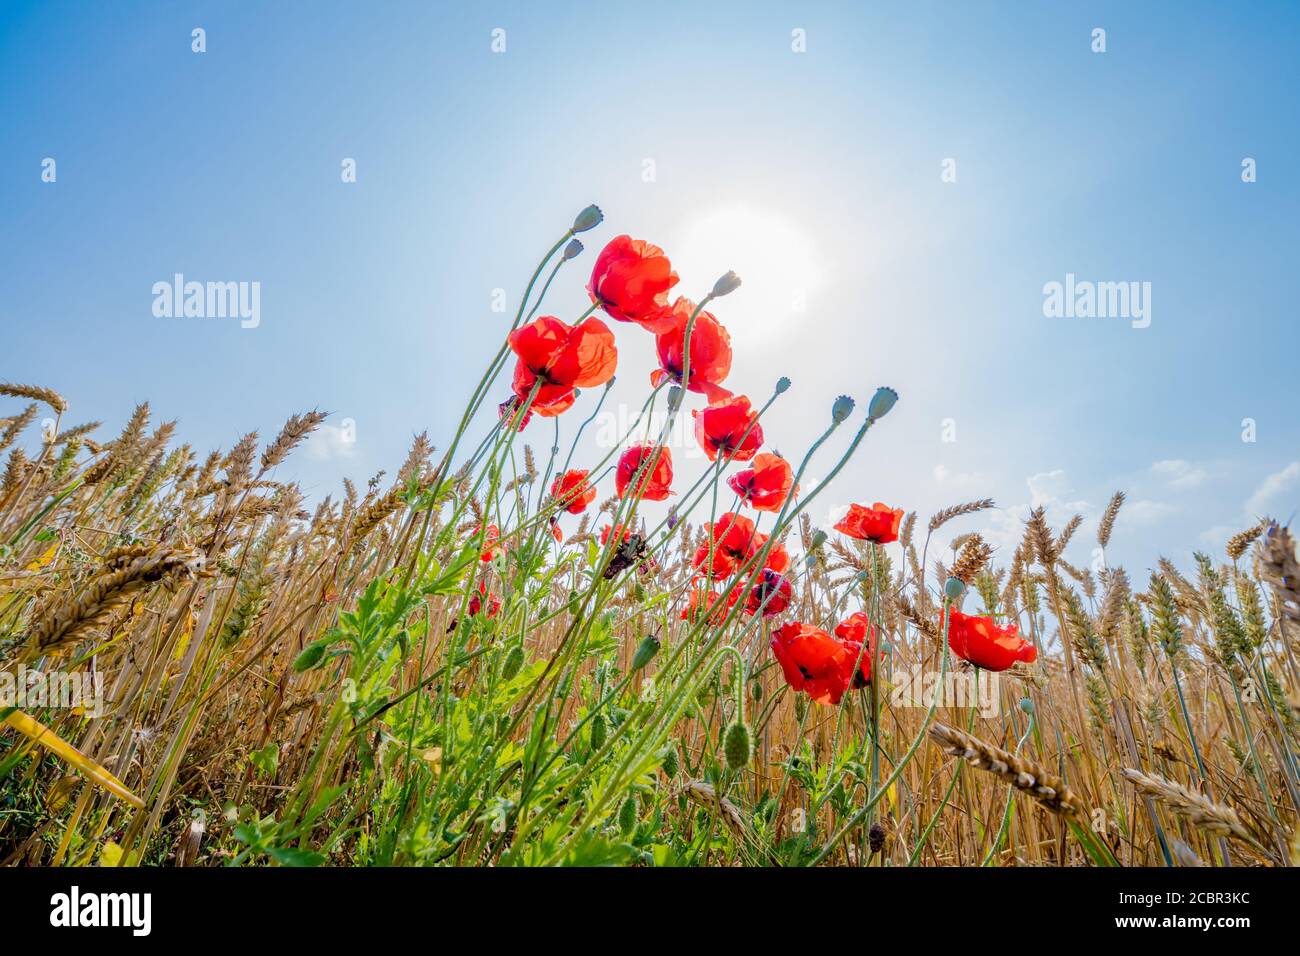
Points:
(842, 408)
(627, 816)
(645, 652)
(738, 746)
(782, 384)
(514, 661)
(954, 588)
(310, 657)
(589, 218)
(668, 761)
(726, 285)
(881, 403)
(573, 249)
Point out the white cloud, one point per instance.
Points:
(1179, 473)
(1145, 511)
(1274, 485)
(1216, 537)
(957, 479)
(331, 442)
(1047, 486)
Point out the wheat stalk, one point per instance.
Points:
(1202, 812)
(1025, 775)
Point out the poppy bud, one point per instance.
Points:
(818, 539)
(738, 746)
(954, 588)
(881, 403)
(514, 661)
(728, 284)
(876, 837)
(645, 652)
(573, 249)
(674, 398)
(627, 816)
(589, 218)
(800, 707)
(311, 656)
(782, 384)
(842, 408)
(597, 732)
(669, 761)
(756, 691)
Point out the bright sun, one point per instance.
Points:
(775, 260)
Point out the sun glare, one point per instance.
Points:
(774, 258)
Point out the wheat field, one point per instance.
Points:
(427, 671)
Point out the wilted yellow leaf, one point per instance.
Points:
(433, 757)
(53, 742)
(110, 855)
(184, 642)
(45, 558)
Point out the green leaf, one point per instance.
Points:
(289, 856)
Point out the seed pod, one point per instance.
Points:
(645, 652)
(669, 761)
(514, 661)
(738, 746)
(627, 815)
(311, 656)
(589, 218)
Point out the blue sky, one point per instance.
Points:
(816, 175)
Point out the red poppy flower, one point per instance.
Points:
(623, 533)
(710, 352)
(879, 523)
(766, 484)
(730, 539)
(702, 598)
(476, 601)
(984, 644)
(771, 595)
(562, 357)
(573, 491)
(506, 412)
(854, 631)
(813, 661)
(631, 280)
(556, 533)
(778, 558)
(490, 538)
(730, 427)
(653, 484)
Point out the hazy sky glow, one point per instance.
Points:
(814, 175)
